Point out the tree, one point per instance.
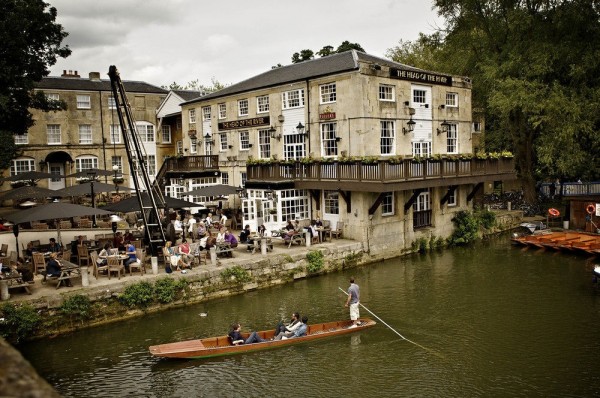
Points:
(304, 55)
(325, 51)
(347, 46)
(195, 85)
(31, 43)
(535, 68)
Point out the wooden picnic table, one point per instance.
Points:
(15, 280)
(68, 271)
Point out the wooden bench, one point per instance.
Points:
(223, 250)
(15, 280)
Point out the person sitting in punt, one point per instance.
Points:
(301, 331)
(282, 330)
(236, 338)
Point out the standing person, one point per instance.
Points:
(353, 301)
(192, 227)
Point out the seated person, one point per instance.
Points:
(230, 238)
(105, 252)
(208, 221)
(262, 230)
(301, 331)
(186, 255)
(318, 222)
(53, 268)
(201, 231)
(132, 256)
(29, 250)
(235, 336)
(289, 330)
(54, 247)
(245, 234)
(175, 258)
(128, 237)
(221, 235)
(119, 241)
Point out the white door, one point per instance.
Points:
(56, 183)
(331, 207)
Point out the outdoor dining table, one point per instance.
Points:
(255, 243)
(68, 271)
(12, 280)
(323, 233)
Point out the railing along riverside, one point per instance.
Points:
(379, 171)
(572, 188)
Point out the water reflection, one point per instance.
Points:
(506, 322)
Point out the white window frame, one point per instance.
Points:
(21, 165)
(329, 147)
(452, 100)
(179, 147)
(53, 97)
(145, 131)
(224, 178)
(193, 144)
(264, 144)
(245, 140)
(292, 99)
(166, 134)
(84, 101)
(452, 199)
(452, 138)
(387, 93)
(295, 204)
(262, 104)
(223, 142)
(222, 111)
(85, 134)
(331, 202)
(243, 107)
(117, 161)
(419, 96)
(206, 113)
(53, 134)
(112, 104)
(192, 115)
(387, 140)
(327, 93)
(22, 139)
(387, 204)
(90, 162)
(115, 133)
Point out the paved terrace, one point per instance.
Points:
(241, 257)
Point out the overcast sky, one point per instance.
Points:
(165, 41)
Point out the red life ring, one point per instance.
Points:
(553, 212)
(591, 209)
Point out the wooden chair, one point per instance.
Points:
(338, 231)
(314, 239)
(83, 255)
(115, 265)
(4, 249)
(35, 243)
(139, 253)
(39, 263)
(137, 244)
(13, 259)
(97, 268)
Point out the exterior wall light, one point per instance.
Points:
(273, 133)
(300, 129)
(410, 126)
(444, 128)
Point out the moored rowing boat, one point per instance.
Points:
(218, 346)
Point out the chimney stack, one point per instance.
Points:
(95, 76)
(69, 73)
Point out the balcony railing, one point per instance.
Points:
(381, 171)
(186, 164)
(572, 189)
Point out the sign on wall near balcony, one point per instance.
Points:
(421, 77)
(238, 124)
(192, 133)
(327, 115)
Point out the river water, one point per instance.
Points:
(488, 320)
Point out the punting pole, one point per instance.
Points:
(392, 329)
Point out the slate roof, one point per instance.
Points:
(333, 64)
(188, 95)
(85, 84)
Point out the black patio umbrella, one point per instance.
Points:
(131, 204)
(87, 173)
(213, 190)
(88, 187)
(53, 211)
(31, 175)
(29, 192)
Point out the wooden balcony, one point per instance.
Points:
(187, 166)
(381, 175)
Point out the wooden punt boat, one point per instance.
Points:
(218, 346)
(582, 242)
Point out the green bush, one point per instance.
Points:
(77, 306)
(18, 322)
(139, 294)
(315, 261)
(166, 289)
(238, 273)
(486, 218)
(466, 229)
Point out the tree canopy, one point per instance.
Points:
(307, 54)
(535, 67)
(31, 43)
(195, 85)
